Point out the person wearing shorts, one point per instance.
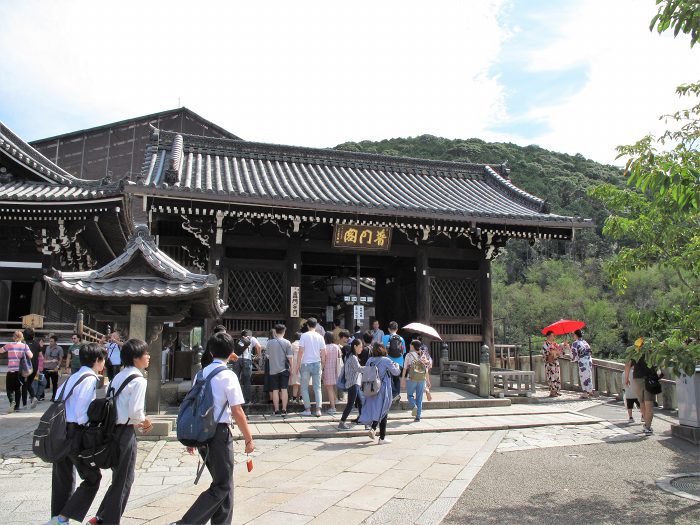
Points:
(645, 398)
(630, 392)
(279, 356)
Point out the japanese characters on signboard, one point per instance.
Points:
(294, 302)
(377, 238)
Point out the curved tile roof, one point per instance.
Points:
(161, 277)
(54, 182)
(273, 175)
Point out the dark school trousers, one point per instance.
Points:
(114, 502)
(216, 503)
(66, 500)
(52, 379)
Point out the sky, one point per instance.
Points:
(575, 76)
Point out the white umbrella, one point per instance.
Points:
(422, 329)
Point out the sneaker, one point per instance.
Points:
(372, 433)
(417, 420)
(396, 398)
(56, 521)
(344, 426)
(367, 427)
(275, 412)
(318, 413)
(384, 441)
(35, 402)
(11, 409)
(305, 413)
(630, 420)
(283, 413)
(648, 431)
(94, 521)
(331, 411)
(414, 411)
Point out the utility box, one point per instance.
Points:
(688, 392)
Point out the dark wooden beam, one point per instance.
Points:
(422, 286)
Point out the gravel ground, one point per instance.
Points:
(609, 483)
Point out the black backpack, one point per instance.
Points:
(394, 349)
(241, 346)
(50, 440)
(652, 383)
(98, 444)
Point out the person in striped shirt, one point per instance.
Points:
(14, 381)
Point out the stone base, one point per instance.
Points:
(691, 434)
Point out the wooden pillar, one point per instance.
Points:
(422, 286)
(486, 307)
(155, 343)
(294, 283)
(216, 254)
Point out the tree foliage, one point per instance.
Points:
(681, 15)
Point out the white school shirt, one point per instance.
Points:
(114, 353)
(312, 342)
(224, 387)
(131, 402)
(83, 395)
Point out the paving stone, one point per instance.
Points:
(373, 465)
(366, 499)
(399, 512)
(437, 510)
(423, 489)
(286, 518)
(312, 502)
(394, 478)
(441, 471)
(350, 481)
(340, 515)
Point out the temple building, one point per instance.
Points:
(288, 232)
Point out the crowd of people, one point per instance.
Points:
(35, 364)
(313, 361)
(640, 381)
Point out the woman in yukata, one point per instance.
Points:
(581, 353)
(551, 351)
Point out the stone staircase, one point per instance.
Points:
(449, 411)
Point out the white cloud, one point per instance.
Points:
(319, 73)
(632, 77)
(306, 72)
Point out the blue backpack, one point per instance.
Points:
(196, 420)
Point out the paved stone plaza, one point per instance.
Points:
(419, 478)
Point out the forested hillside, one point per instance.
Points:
(540, 283)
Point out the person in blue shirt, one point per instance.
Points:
(395, 353)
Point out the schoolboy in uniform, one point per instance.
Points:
(130, 413)
(216, 503)
(66, 504)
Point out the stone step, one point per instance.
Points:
(326, 427)
(266, 409)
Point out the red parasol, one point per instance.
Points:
(563, 326)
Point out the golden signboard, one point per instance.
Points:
(376, 238)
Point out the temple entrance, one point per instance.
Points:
(329, 289)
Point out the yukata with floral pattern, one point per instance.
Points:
(581, 353)
(552, 371)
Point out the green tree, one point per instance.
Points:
(662, 218)
(682, 15)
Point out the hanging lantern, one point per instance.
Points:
(339, 286)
